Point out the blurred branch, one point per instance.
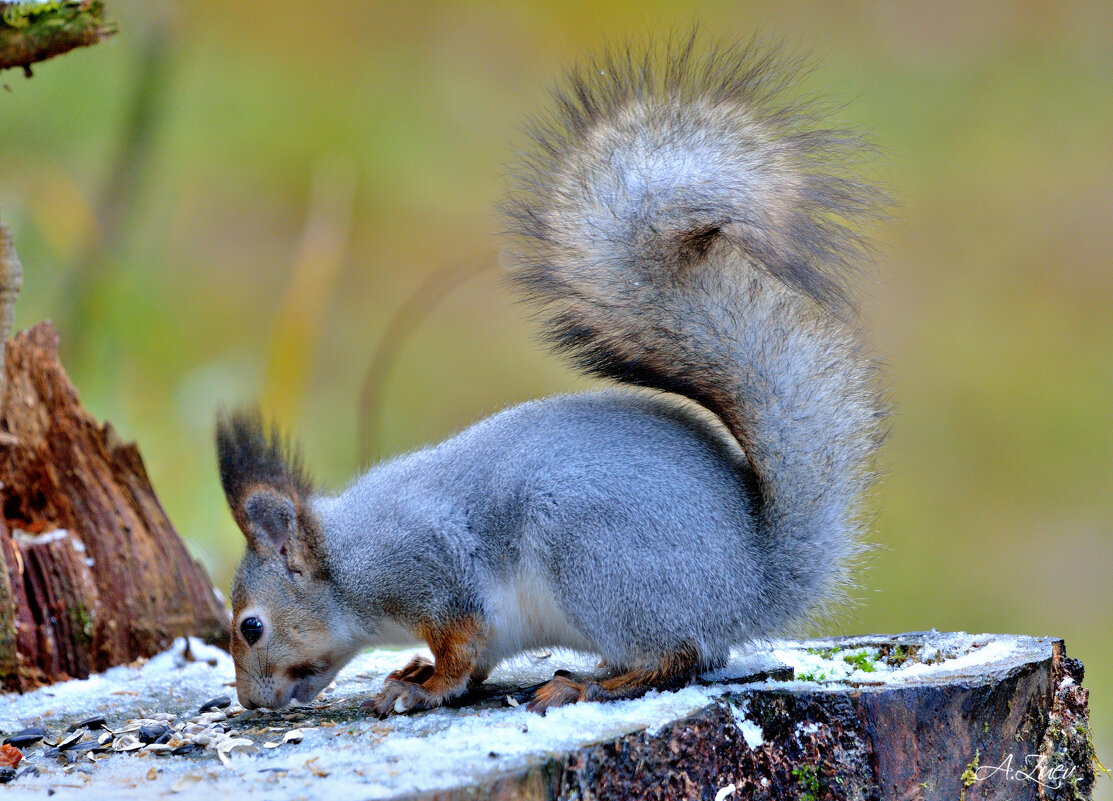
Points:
(31, 32)
(399, 330)
(11, 281)
(117, 197)
(317, 262)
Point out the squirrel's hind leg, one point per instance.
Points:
(671, 672)
(457, 650)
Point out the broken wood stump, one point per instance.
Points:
(92, 573)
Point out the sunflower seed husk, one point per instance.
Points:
(26, 737)
(154, 733)
(227, 746)
(70, 741)
(95, 722)
(127, 742)
(220, 702)
(185, 782)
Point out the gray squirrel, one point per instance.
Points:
(683, 229)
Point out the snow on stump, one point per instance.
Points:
(92, 574)
(912, 717)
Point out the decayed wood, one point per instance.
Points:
(93, 573)
(32, 32)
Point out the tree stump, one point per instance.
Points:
(92, 574)
(925, 716)
(912, 717)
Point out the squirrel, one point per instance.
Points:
(681, 229)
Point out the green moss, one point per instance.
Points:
(818, 675)
(22, 15)
(808, 777)
(1080, 728)
(897, 655)
(970, 775)
(83, 624)
(862, 661)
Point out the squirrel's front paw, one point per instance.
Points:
(418, 670)
(399, 697)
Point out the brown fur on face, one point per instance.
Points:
(307, 637)
(283, 579)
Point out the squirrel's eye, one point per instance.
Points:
(252, 629)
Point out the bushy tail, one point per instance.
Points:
(683, 228)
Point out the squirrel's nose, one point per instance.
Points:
(245, 700)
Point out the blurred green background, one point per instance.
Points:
(230, 200)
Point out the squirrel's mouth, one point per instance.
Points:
(304, 692)
(309, 679)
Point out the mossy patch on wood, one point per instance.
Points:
(33, 32)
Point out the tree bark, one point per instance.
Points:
(92, 573)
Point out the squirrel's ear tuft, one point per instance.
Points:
(261, 473)
(270, 517)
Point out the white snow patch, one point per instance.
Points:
(752, 734)
(123, 689)
(941, 656)
(982, 651)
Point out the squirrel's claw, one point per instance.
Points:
(398, 697)
(402, 691)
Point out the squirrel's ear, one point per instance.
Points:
(270, 518)
(262, 477)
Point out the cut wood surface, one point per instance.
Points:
(912, 717)
(92, 573)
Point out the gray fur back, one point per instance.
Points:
(630, 510)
